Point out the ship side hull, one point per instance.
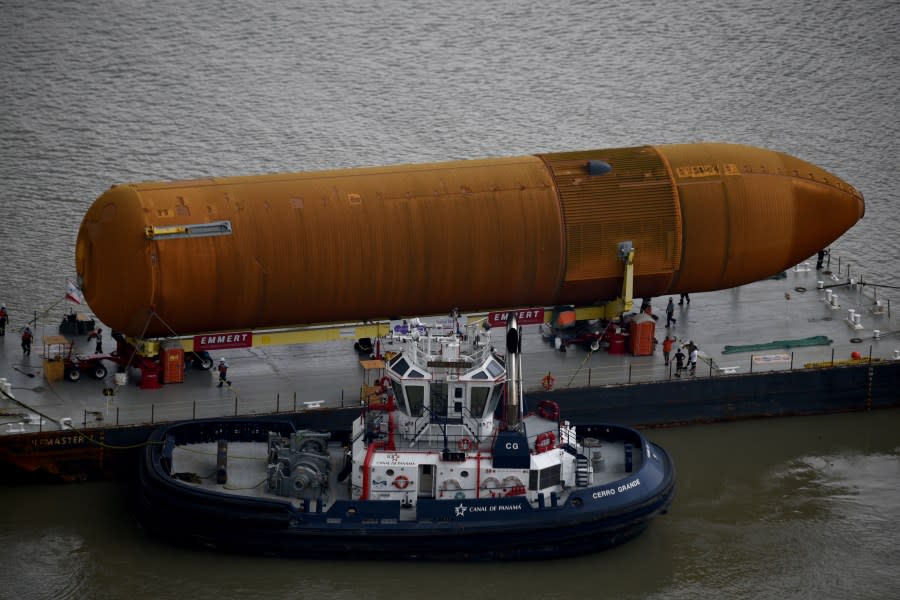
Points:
(445, 530)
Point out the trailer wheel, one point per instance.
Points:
(99, 371)
(73, 374)
(203, 361)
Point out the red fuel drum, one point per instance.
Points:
(345, 245)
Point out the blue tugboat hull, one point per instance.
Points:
(591, 519)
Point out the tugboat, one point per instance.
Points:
(442, 463)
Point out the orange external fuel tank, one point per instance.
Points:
(158, 259)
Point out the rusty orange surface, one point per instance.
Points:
(409, 240)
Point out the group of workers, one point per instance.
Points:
(687, 351)
(27, 335)
(686, 355)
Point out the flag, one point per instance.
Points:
(73, 294)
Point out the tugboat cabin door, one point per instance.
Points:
(455, 402)
(448, 400)
(426, 481)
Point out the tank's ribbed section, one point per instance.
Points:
(635, 201)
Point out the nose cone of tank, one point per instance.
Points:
(748, 213)
(824, 208)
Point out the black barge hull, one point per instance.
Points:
(110, 452)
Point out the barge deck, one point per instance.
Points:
(317, 385)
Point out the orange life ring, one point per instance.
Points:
(544, 442)
(548, 381)
(548, 409)
(465, 444)
(401, 482)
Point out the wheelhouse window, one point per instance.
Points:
(479, 400)
(494, 369)
(401, 398)
(400, 366)
(439, 397)
(415, 394)
(495, 398)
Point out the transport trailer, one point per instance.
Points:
(166, 367)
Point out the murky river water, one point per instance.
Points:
(95, 93)
(796, 508)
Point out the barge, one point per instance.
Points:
(72, 431)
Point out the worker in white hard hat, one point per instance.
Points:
(223, 372)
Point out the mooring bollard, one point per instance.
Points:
(222, 462)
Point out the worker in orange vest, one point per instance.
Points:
(667, 348)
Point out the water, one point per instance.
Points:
(797, 508)
(95, 93)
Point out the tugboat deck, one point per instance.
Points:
(246, 468)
